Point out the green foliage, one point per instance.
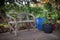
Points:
(38, 12)
(48, 7)
(58, 18)
(11, 6)
(25, 8)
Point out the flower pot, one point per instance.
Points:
(48, 28)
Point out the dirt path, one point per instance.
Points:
(30, 35)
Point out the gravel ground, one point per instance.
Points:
(33, 34)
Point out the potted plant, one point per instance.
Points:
(40, 17)
(47, 26)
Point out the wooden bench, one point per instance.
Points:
(21, 18)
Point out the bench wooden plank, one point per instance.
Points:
(21, 21)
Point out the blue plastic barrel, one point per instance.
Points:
(39, 23)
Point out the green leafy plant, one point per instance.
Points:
(11, 6)
(48, 7)
(38, 12)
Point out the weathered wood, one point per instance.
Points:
(20, 20)
(13, 22)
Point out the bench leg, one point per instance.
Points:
(13, 28)
(15, 31)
